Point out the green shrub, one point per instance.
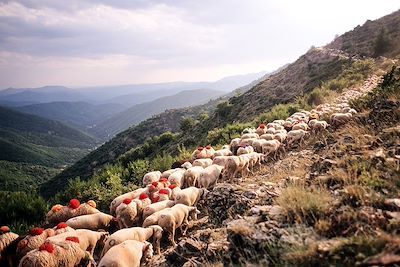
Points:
(20, 208)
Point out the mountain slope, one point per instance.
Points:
(140, 112)
(29, 142)
(81, 115)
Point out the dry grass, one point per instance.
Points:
(304, 205)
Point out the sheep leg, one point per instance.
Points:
(173, 234)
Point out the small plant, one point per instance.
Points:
(303, 205)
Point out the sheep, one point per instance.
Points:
(234, 145)
(223, 152)
(250, 136)
(164, 194)
(246, 142)
(270, 130)
(202, 162)
(300, 125)
(153, 218)
(209, 176)
(281, 137)
(191, 175)
(257, 145)
(210, 152)
(280, 122)
(261, 129)
(245, 150)
(127, 213)
(150, 177)
(67, 254)
(167, 173)
(220, 160)
(118, 200)
(93, 222)
(234, 165)
(33, 240)
(149, 210)
(338, 118)
(177, 178)
(272, 146)
(296, 135)
(88, 240)
(199, 153)
(62, 228)
(130, 253)
(190, 196)
(187, 165)
(248, 130)
(135, 233)
(6, 238)
(174, 190)
(319, 126)
(59, 213)
(176, 217)
(255, 159)
(267, 137)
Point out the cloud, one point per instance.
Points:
(150, 40)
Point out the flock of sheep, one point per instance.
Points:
(166, 202)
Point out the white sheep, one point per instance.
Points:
(176, 217)
(150, 177)
(127, 213)
(210, 175)
(245, 149)
(118, 200)
(167, 173)
(272, 147)
(191, 175)
(234, 165)
(340, 118)
(296, 135)
(33, 240)
(250, 136)
(209, 151)
(177, 178)
(257, 145)
(202, 162)
(190, 196)
(223, 152)
(199, 153)
(300, 125)
(267, 137)
(93, 222)
(220, 160)
(66, 254)
(261, 129)
(59, 213)
(62, 228)
(130, 253)
(153, 208)
(88, 240)
(281, 136)
(234, 145)
(135, 233)
(6, 238)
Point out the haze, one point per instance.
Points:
(95, 42)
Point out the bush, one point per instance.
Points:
(20, 208)
(303, 205)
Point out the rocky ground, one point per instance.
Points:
(334, 201)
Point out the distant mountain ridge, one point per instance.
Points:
(137, 113)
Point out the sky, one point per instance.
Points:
(79, 43)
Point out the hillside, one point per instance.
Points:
(132, 116)
(80, 115)
(39, 143)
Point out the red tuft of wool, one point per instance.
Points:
(163, 180)
(172, 186)
(73, 239)
(152, 188)
(154, 184)
(127, 201)
(4, 229)
(74, 203)
(37, 231)
(208, 147)
(62, 225)
(47, 247)
(155, 199)
(143, 196)
(200, 148)
(262, 126)
(164, 191)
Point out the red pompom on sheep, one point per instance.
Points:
(62, 225)
(74, 203)
(4, 229)
(172, 186)
(164, 191)
(143, 196)
(200, 148)
(262, 126)
(37, 231)
(49, 247)
(127, 201)
(73, 239)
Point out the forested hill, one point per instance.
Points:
(35, 148)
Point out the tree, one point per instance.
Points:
(187, 124)
(382, 43)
